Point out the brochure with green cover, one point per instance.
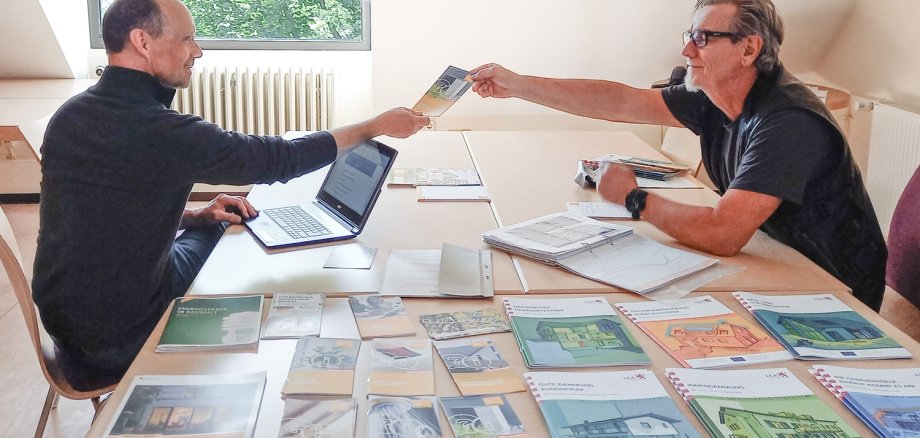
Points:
(210, 323)
(571, 332)
(763, 403)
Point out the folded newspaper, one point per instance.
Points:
(601, 251)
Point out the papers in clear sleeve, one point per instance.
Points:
(451, 271)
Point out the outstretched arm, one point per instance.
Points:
(721, 230)
(583, 97)
(397, 122)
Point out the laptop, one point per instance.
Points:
(341, 207)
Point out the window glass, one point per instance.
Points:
(269, 24)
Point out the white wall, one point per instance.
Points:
(70, 22)
(28, 45)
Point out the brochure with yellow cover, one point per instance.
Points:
(380, 317)
(445, 91)
(401, 367)
(477, 368)
(322, 366)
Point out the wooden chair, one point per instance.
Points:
(44, 348)
(903, 270)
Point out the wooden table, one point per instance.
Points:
(241, 265)
(530, 174)
(274, 358)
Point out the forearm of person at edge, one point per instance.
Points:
(722, 230)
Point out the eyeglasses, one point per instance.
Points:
(701, 37)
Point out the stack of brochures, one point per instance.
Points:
(398, 417)
(459, 324)
(203, 323)
(571, 332)
(601, 251)
(888, 401)
(419, 176)
(482, 416)
(380, 317)
(224, 405)
(624, 403)
(294, 316)
(477, 368)
(820, 327)
(316, 417)
(756, 403)
(701, 332)
(322, 366)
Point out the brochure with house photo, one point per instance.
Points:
(224, 405)
(571, 332)
(763, 403)
(820, 327)
(701, 332)
(631, 403)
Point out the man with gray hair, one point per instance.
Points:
(118, 166)
(771, 147)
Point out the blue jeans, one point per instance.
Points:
(89, 370)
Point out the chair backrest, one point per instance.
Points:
(11, 259)
(682, 146)
(903, 271)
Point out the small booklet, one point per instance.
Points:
(629, 403)
(887, 401)
(380, 317)
(571, 332)
(294, 316)
(452, 271)
(316, 417)
(202, 323)
(401, 367)
(587, 173)
(403, 417)
(482, 416)
(322, 366)
(467, 323)
(189, 406)
(418, 176)
(763, 403)
(820, 327)
(445, 91)
(701, 332)
(477, 368)
(452, 193)
(602, 251)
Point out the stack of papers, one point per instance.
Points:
(416, 176)
(452, 271)
(212, 324)
(601, 251)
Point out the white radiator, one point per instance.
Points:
(894, 154)
(261, 101)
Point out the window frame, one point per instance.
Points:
(95, 37)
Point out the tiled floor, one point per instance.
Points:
(25, 387)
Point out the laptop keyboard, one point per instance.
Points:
(296, 222)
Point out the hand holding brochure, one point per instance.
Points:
(820, 327)
(445, 91)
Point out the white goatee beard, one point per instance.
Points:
(690, 82)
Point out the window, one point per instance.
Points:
(268, 24)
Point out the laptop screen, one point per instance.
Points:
(353, 181)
